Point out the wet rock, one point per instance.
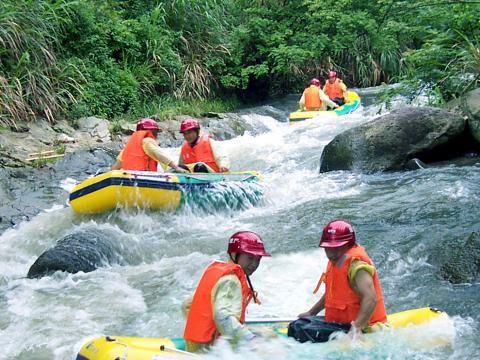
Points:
(82, 163)
(64, 138)
(469, 106)
(25, 192)
(472, 105)
(390, 141)
(85, 250)
(97, 129)
(128, 128)
(463, 260)
(269, 110)
(63, 126)
(226, 126)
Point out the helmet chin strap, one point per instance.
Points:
(248, 278)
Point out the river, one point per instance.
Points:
(399, 217)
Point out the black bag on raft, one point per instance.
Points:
(314, 329)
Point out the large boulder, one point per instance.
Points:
(461, 263)
(469, 106)
(472, 108)
(390, 141)
(85, 250)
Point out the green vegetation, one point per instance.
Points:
(133, 58)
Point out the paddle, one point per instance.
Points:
(268, 320)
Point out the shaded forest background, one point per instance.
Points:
(133, 58)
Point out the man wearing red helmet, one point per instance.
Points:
(142, 152)
(218, 306)
(313, 98)
(200, 152)
(353, 299)
(335, 88)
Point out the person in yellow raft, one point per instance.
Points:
(142, 152)
(314, 99)
(353, 299)
(199, 152)
(335, 88)
(218, 306)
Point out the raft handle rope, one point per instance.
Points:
(125, 353)
(168, 348)
(255, 298)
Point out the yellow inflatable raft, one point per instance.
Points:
(146, 189)
(122, 347)
(352, 104)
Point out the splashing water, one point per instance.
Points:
(398, 217)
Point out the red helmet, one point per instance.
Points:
(247, 242)
(315, 82)
(332, 74)
(147, 124)
(337, 233)
(189, 124)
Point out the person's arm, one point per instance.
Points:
(152, 149)
(365, 288)
(180, 159)
(118, 164)
(227, 309)
(344, 89)
(220, 158)
(319, 306)
(301, 102)
(326, 100)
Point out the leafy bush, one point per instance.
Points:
(109, 91)
(119, 57)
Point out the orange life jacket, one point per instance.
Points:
(133, 156)
(333, 90)
(200, 327)
(342, 304)
(312, 98)
(200, 152)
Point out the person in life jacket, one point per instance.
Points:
(218, 306)
(353, 296)
(142, 152)
(313, 98)
(335, 88)
(199, 152)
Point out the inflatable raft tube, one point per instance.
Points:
(125, 348)
(145, 189)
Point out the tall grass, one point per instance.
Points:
(32, 82)
(201, 43)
